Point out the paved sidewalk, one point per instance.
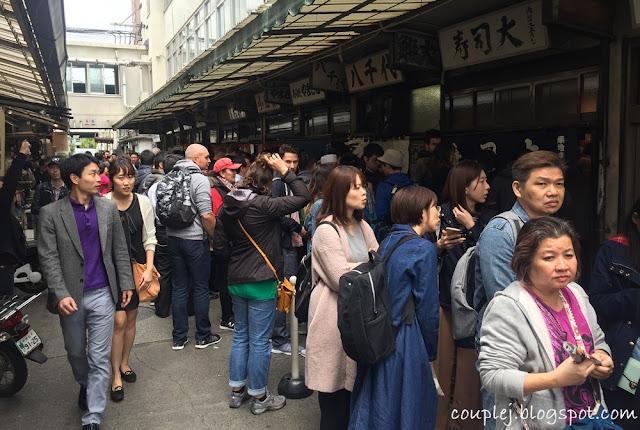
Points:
(183, 390)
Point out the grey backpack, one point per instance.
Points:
(174, 207)
(464, 315)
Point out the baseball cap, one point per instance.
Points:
(392, 157)
(225, 163)
(55, 160)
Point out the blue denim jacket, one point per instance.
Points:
(493, 260)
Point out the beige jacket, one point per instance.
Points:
(149, 240)
(327, 367)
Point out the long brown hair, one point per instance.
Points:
(334, 201)
(460, 177)
(259, 176)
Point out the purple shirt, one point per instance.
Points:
(95, 274)
(577, 397)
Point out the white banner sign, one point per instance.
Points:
(371, 72)
(302, 93)
(264, 106)
(508, 32)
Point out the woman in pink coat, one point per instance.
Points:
(328, 370)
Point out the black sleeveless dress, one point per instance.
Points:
(133, 226)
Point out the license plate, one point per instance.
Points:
(28, 343)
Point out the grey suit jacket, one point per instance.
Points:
(60, 250)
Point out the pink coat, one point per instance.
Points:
(327, 367)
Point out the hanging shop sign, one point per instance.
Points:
(508, 32)
(328, 76)
(235, 114)
(263, 105)
(280, 95)
(409, 52)
(302, 93)
(371, 72)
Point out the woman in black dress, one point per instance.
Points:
(137, 219)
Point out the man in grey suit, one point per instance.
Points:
(84, 257)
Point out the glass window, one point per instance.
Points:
(318, 122)
(557, 100)
(79, 79)
(462, 111)
(211, 31)
(589, 101)
(200, 40)
(96, 81)
(513, 106)
(192, 48)
(220, 21)
(484, 108)
(341, 120)
(68, 78)
(110, 80)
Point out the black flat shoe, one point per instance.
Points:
(92, 426)
(128, 376)
(117, 394)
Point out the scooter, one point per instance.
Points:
(28, 280)
(18, 342)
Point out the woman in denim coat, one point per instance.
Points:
(615, 294)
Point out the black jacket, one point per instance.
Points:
(287, 224)
(44, 195)
(13, 244)
(614, 294)
(260, 216)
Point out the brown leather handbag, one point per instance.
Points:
(285, 289)
(153, 290)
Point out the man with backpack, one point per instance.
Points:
(392, 162)
(184, 207)
(538, 183)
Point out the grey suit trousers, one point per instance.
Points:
(87, 338)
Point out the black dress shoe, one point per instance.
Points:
(117, 394)
(128, 376)
(82, 399)
(92, 426)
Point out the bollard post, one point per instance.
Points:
(292, 384)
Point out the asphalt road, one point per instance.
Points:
(185, 389)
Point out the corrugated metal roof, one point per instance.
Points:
(21, 73)
(280, 34)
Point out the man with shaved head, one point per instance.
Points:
(190, 255)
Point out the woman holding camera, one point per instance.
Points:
(541, 348)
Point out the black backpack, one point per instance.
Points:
(364, 310)
(174, 207)
(305, 284)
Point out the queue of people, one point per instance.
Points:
(541, 342)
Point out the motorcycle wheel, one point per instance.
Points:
(31, 288)
(13, 370)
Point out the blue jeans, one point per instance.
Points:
(250, 350)
(190, 267)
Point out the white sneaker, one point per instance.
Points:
(270, 403)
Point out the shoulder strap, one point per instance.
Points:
(514, 220)
(331, 224)
(405, 238)
(259, 250)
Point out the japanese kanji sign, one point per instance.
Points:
(505, 33)
(264, 106)
(280, 95)
(235, 114)
(328, 76)
(301, 92)
(372, 71)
